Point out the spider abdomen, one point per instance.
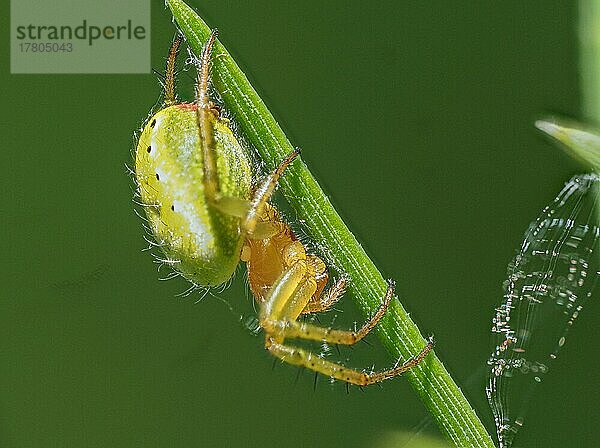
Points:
(198, 240)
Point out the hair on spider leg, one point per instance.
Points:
(325, 350)
(172, 72)
(159, 74)
(315, 381)
(299, 373)
(364, 340)
(397, 363)
(162, 78)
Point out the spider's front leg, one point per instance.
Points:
(250, 210)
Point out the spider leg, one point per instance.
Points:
(263, 193)
(304, 358)
(170, 73)
(328, 298)
(288, 328)
(204, 114)
(249, 210)
(288, 297)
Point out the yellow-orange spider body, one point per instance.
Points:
(207, 212)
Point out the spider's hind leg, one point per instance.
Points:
(304, 358)
(288, 297)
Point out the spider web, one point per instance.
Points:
(549, 281)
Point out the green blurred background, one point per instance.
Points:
(416, 119)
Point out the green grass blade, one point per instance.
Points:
(397, 331)
(580, 143)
